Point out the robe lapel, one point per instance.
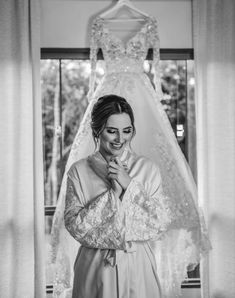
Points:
(99, 164)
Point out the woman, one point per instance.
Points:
(114, 206)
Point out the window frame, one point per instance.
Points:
(84, 54)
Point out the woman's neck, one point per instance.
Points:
(107, 157)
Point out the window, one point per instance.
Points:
(64, 84)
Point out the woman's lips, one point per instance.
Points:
(117, 146)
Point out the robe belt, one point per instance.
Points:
(114, 256)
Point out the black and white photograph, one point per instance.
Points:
(117, 149)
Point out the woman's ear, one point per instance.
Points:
(133, 134)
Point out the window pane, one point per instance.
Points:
(50, 123)
(74, 83)
(191, 119)
(65, 84)
(75, 86)
(174, 101)
(174, 85)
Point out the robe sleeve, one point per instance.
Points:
(148, 212)
(153, 41)
(97, 224)
(96, 34)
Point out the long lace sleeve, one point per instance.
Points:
(148, 211)
(154, 42)
(94, 46)
(97, 224)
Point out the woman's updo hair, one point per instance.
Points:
(105, 107)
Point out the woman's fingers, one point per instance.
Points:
(118, 161)
(118, 172)
(117, 165)
(113, 170)
(113, 165)
(125, 167)
(113, 176)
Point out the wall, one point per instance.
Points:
(191, 293)
(65, 23)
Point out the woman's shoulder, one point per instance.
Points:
(77, 167)
(145, 162)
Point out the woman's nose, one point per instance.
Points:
(119, 137)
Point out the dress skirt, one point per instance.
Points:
(103, 273)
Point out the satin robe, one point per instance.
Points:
(115, 258)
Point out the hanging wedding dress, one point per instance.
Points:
(182, 245)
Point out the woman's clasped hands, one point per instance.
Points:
(118, 175)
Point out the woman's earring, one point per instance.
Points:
(97, 140)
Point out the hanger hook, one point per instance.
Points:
(123, 1)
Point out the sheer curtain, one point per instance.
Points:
(21, 163)
(214, 43)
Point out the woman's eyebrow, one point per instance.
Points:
(110, 127)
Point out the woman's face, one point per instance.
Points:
(116, 135)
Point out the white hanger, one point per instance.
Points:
(123, 4)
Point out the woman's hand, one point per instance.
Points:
(117, 188)
(118, 173)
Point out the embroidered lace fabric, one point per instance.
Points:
(182, 236)
(129, 57)
(98, 225)
(107, 223)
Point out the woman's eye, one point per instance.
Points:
(111, 131)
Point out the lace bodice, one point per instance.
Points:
(123, 56)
